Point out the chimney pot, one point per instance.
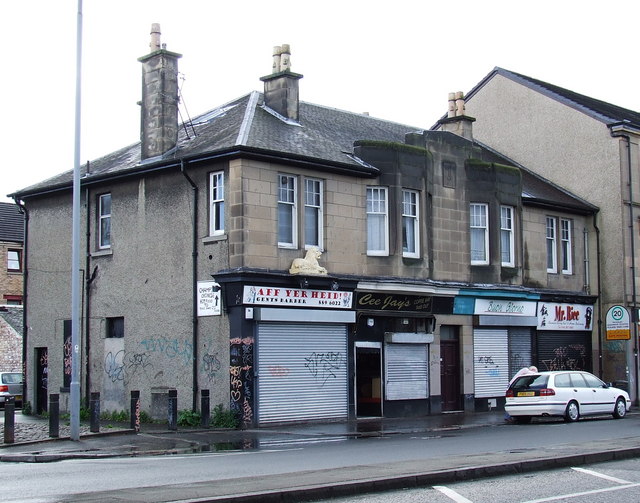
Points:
(154, 45)
(277, 51)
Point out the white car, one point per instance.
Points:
(569, 394)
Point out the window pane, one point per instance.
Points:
(313, 212)
(565, 229)
(479, 233)
(104, 211)
(287, 234)
(377, 221)
(13, 260)
(551, 245)
(478, 252)
(410, 229)
(506, 235)
(216, 208)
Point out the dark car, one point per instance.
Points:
(11, 385)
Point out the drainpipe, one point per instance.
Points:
(634, 314)
(25, 275)
(87, 293)
(599, 301)
(194, 294)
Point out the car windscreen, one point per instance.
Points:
(530, 382)
(11, 378)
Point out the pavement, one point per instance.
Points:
(119, 441)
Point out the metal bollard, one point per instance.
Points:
(135, 411)
(205, 408)
(94, 412)
(54, 415)
(9, 420)
(173, 409)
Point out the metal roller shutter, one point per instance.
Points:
(302, 372)
(490, 362)
(519, 349)
(407, 371)
(564, 350)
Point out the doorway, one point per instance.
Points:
(450, 368)
(41, 384)
(368, 387)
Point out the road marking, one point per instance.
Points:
(450, 493)
(585, 493)
(602, 475)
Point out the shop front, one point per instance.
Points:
(391, 353)
(564, 336)
(503, 337)
(289, 342)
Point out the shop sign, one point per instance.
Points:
(389, 302)
(208, 298)
(552, 316)
(502, 307)
(296, 297)
(618, 325)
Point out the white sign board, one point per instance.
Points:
(552, 316)
(504, 307)
(297, 297)
(618, 323)
(209, 298)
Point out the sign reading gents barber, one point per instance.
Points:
(296, 297)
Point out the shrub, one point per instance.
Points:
(188, 417)
(223, 418)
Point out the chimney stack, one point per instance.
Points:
(281, 89)
(457, 122)
(159, 106)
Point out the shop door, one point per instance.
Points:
(368, 380)
(450, 375)
(41, 384)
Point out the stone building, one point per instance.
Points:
(11, 253)
(303, 263)
(592, 148)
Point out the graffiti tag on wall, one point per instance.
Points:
(241, 378)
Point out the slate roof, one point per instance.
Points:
(323, 137)
(599, 110)
(11, 223)
(13, 316)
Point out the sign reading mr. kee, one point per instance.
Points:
(268, 295)
(553, 316)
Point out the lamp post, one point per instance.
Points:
(75, 255)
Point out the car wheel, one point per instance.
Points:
(620, 409)
(523, 419)
(572, 413)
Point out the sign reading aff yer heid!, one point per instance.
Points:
(208, 298)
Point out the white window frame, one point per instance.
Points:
(566, 246)
(551, 237)
(14, 260)
(216, 203)
(103, 216)
(507, 235)
(411, 218)
(289, 205)
(315, 207)
(480, 223)
(378, 210)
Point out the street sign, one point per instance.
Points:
(617, 323)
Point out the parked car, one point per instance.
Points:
(569, 394)
(11, 385)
